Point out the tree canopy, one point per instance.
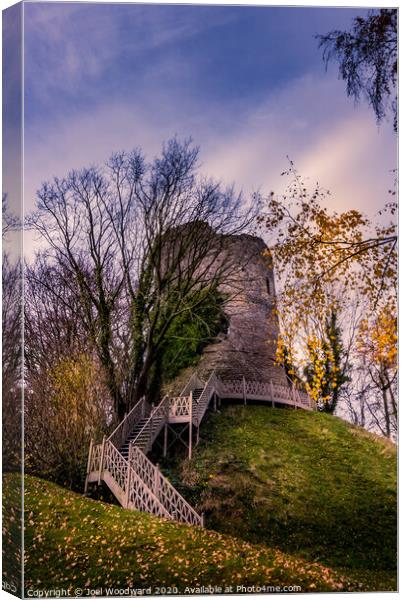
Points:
(132, 249)
(367, 57)
(338, 273)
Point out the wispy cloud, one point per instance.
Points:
(80, 47)
(12, 100)
(330, 141)
(106, 79)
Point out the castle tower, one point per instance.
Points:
(248, 348)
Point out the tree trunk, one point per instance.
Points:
(386, 412)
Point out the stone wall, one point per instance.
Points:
(248, 348)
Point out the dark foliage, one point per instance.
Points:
(190, 333)
(367, 57)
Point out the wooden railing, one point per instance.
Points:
(164, 491)
(200, 406)
(124, 481)
(154, 424)
(194, 382)
(94, 458)
(180, 406)
(139, 484)
(259, 390)
(121, 432)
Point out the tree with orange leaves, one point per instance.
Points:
(377, 347)
(324, 260)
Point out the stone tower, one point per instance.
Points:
(248, 348)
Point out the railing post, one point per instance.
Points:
(90, 455)
(128, 477)
(100, 472)
(203, 520)
(190, 427)
(219, 385)
(150, 443)
(294, 394)
(165, 439)
(244, 391)
(157, 481)
(272, 394)
(123, 437)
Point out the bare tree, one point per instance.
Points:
(188, 226)
(10, 222)
(54, 322)
(74, 219)
(66, 399)
(140, 244)
(11, 350)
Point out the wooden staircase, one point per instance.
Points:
(121, 459)
(134, 435)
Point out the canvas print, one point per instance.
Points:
(199, 299)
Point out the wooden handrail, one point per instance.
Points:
(165, 492)
(274, 392)
(159, 411)
(137, 482)
(140, 484)
(203, 401)
(139, 406)
(191, 385)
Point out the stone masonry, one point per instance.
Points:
(248, 348)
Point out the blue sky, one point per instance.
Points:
(235, 56)
(247, 83)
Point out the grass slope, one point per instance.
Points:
(306, 483)
(75, 542)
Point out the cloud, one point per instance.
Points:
(329, 140)
(354, 160)
(12, 125)
(73, 48)
(80, 110)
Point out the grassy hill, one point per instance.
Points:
(305, 483)
(76, 542)
(295, 498)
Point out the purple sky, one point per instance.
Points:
(248, 84)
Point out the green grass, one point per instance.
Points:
(291, 498)
(12, 532)
(76, 542)
(308, 484)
